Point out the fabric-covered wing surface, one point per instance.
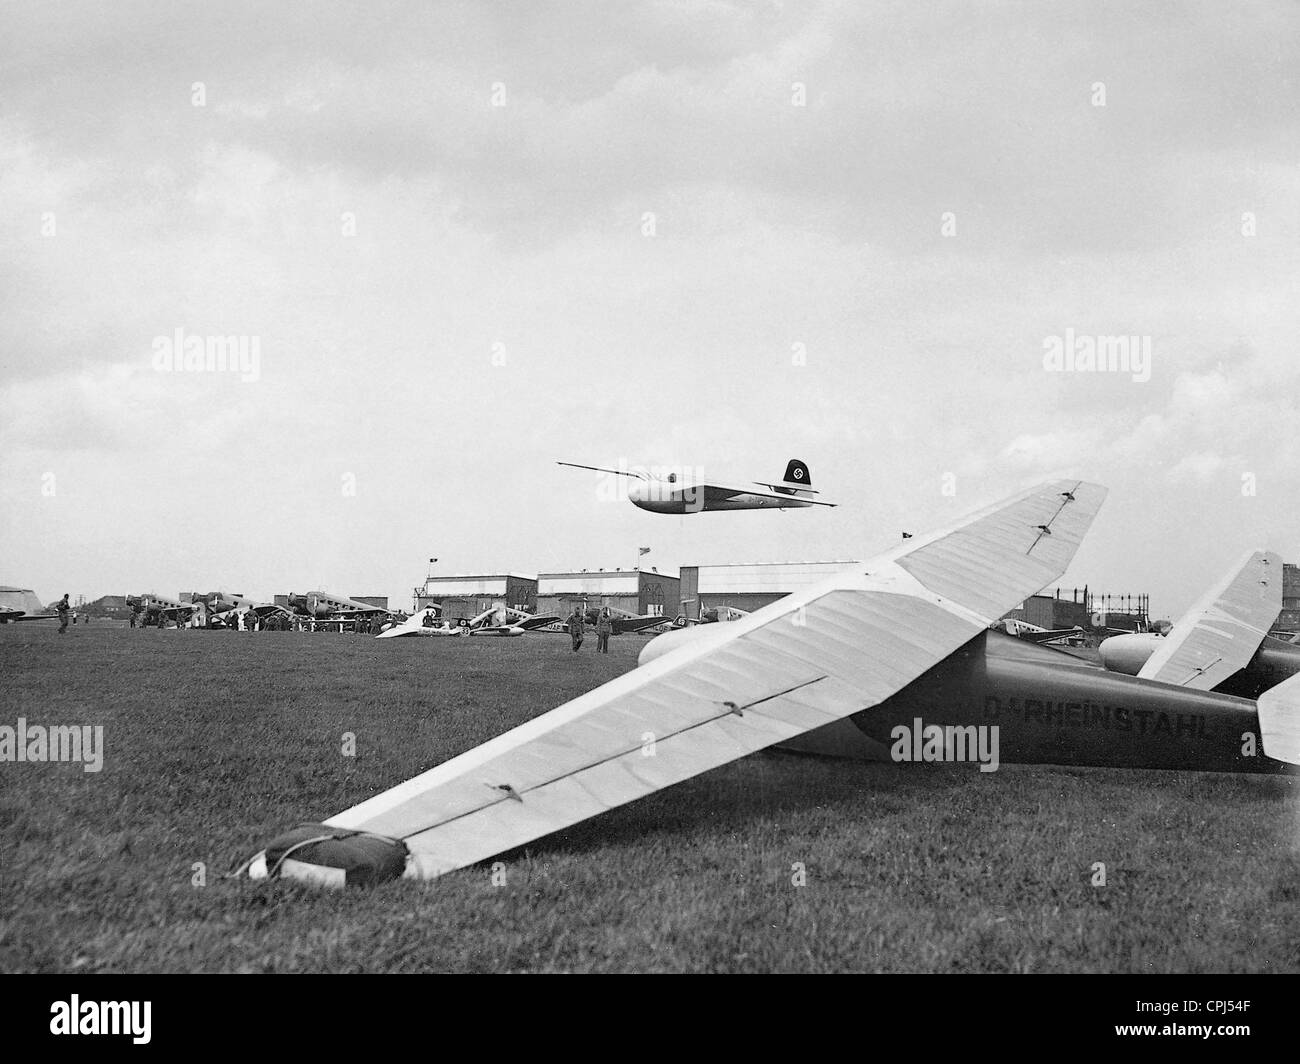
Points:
(1220, 634)
(811, 658)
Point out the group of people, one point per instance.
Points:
(604, 628)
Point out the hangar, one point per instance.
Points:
(750, 586)
(640, 591)
(20, 598)
(468, 596)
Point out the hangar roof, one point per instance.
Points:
(605, 582)
(766, 577)
(20, 598)
(471, 585)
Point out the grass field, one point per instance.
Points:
(215, 742)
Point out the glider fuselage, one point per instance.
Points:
(1272, 663)
(661, 497)
(1052, 708)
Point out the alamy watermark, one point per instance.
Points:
(653, 484)
(57, 742)
(1073, 353)
(179, 353)
(77, 1017)
(932, 742)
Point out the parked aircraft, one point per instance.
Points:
(624, 622)
(159, 608)
(424, 622)
(709, 615)
(222, 607)
(895, 651)
(324, 606)
(1035, 634)
(1222, 642)
(502, 620)
(675, 493)
(499, 620)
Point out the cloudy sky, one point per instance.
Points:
(470, 239)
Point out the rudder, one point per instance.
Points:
(796, 472)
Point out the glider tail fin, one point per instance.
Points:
(797, 480)
(1279, 721)
(796, 473)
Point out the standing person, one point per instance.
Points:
(604, 629)
(577, 625)
(61, 608)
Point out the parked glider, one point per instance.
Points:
(425, 623)
(675, 494)
(903, 633)
(1222, 642)
(500, 620)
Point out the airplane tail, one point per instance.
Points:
(797, 481)
(1219, 635)
(796, 473)
(1279, 721)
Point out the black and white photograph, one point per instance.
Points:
(651, 487)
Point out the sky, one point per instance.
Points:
(467, 240)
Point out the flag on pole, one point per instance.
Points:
(642, 550)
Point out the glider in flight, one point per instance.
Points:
(673, 493)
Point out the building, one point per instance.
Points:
(381, 601)
(1080, 608)
(1289, 620)
(109, 606)
(468, 596)
(750, 586)
(632, 590)
(22, 599)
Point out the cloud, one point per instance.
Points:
(778, 229)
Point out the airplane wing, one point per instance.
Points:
(1050, 634)
(1220, 634)
(632, 625)
(721, 493)
(537, 621)
(604, 469)
(12, 616)
(411, 626)
(813, 657)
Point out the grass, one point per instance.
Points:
(214, 742)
